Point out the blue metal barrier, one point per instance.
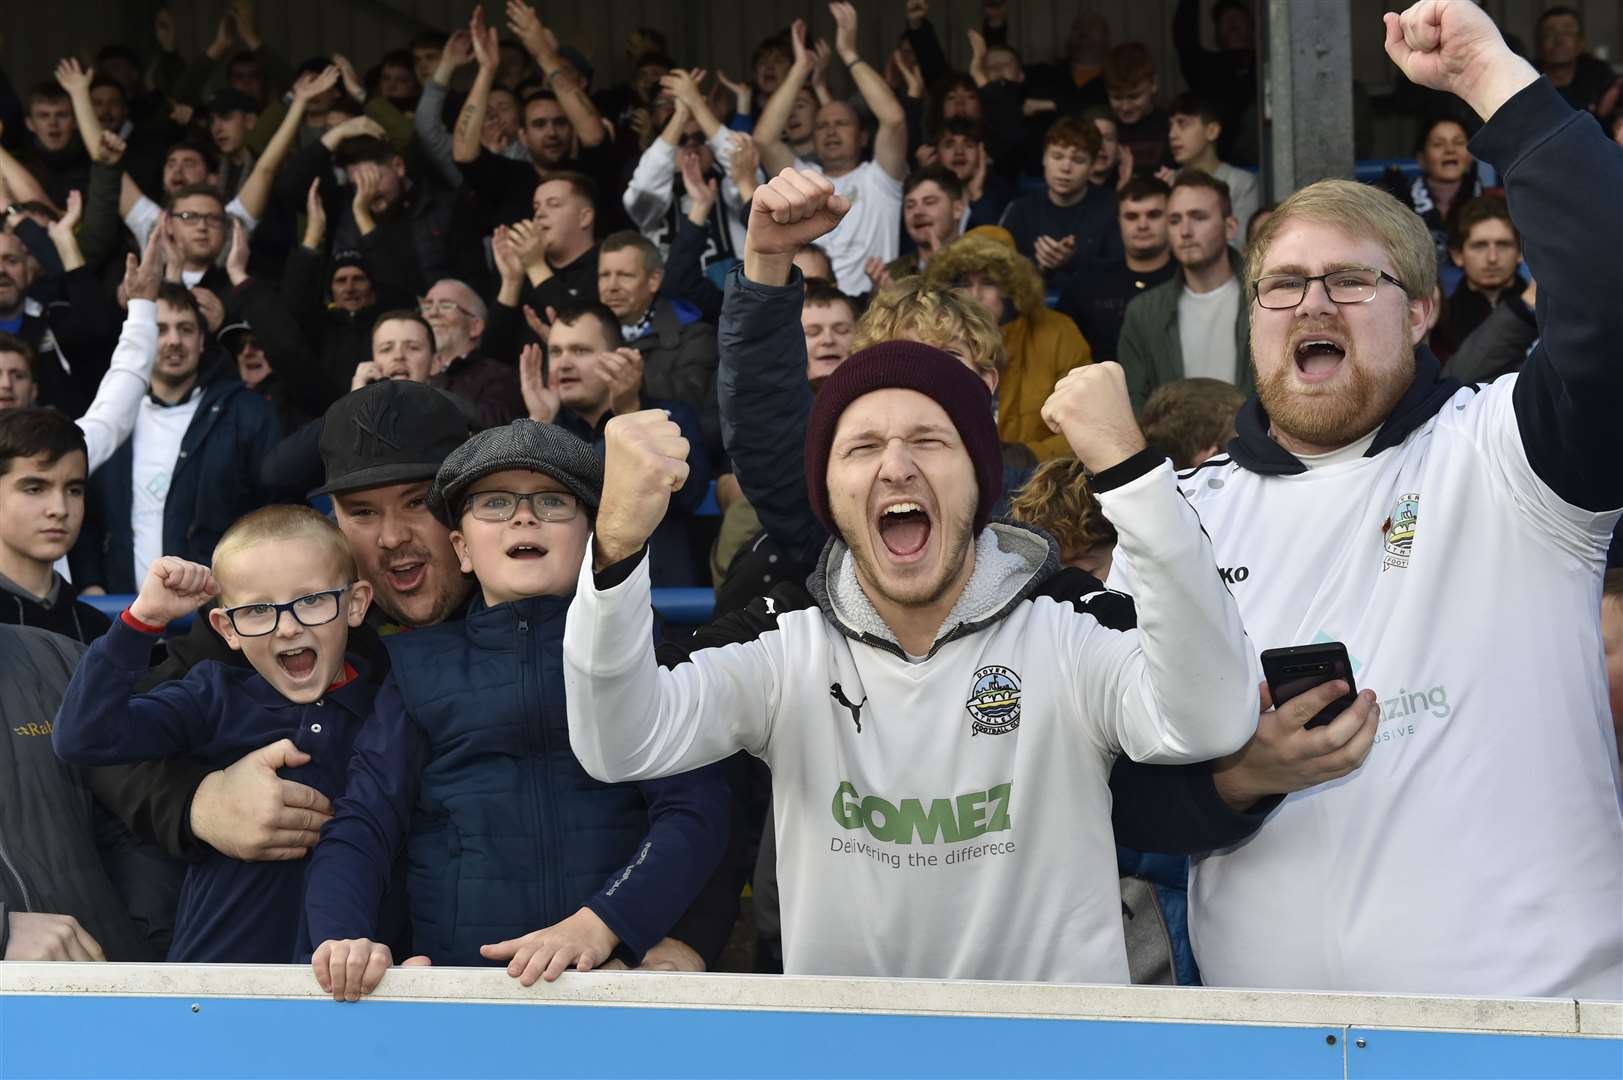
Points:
(678, 607)
(127, 1020)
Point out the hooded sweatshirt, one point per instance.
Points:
(945, 816)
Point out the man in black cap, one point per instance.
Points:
(232, 115)
(382, 446)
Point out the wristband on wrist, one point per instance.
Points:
(130, 620)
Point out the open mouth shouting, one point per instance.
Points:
(526, 550)
(406, 576)
(1318, 355)
(904, 527)
(298, 664)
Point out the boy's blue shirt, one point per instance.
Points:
(230, 911)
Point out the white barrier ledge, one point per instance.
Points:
(1524, 1016)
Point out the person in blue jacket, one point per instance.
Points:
(288, 600)
(466, 763)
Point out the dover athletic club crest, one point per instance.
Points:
(994, 701)
(1399, 531)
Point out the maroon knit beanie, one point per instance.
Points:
(907, 365)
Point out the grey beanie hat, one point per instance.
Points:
(523, 444)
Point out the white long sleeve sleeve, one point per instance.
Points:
(111, 416)
(630, 719)
(648, 195)
(732, 200)
(1183, 686)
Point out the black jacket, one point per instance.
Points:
(679, 361)
(430, 234)
(60, 853)
(73, 328)
(309, 342)
(62, 612)
(215, 481)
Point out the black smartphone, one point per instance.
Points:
(1299, 668)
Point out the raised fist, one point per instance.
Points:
(788, 212)
(1456, 47)
(173, 589)
(1090, 407)
(645, 458)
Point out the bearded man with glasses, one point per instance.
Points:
(1454, 537)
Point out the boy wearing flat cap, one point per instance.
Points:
(466, 764)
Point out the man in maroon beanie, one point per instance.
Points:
(941, 725)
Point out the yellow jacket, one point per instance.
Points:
(1042, 345)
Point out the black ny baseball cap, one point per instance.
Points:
(392, 432)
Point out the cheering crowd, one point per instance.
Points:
(1006, 422)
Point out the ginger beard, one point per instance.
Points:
(1329, 374)
(1351, 401)
(902, 492)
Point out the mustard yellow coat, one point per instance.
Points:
(1042, 346)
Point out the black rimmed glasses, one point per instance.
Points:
(502, 505)
(314, 609)
(1349, 285)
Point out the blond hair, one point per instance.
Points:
(944, 318)
(283, 522)
(1360, 210)
(1057, 500)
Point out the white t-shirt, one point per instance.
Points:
(159, 430)
(873, 227)
(1206, 331)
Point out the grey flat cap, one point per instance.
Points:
(523, 444)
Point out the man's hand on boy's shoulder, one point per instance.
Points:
(173, 589)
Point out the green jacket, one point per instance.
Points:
(1150, 349)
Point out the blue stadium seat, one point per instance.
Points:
(708, 508)
(111, 606)
(1371, 171)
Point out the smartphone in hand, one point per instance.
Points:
(1299, 668)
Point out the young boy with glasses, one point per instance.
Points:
(514, 854)
(288, 599)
